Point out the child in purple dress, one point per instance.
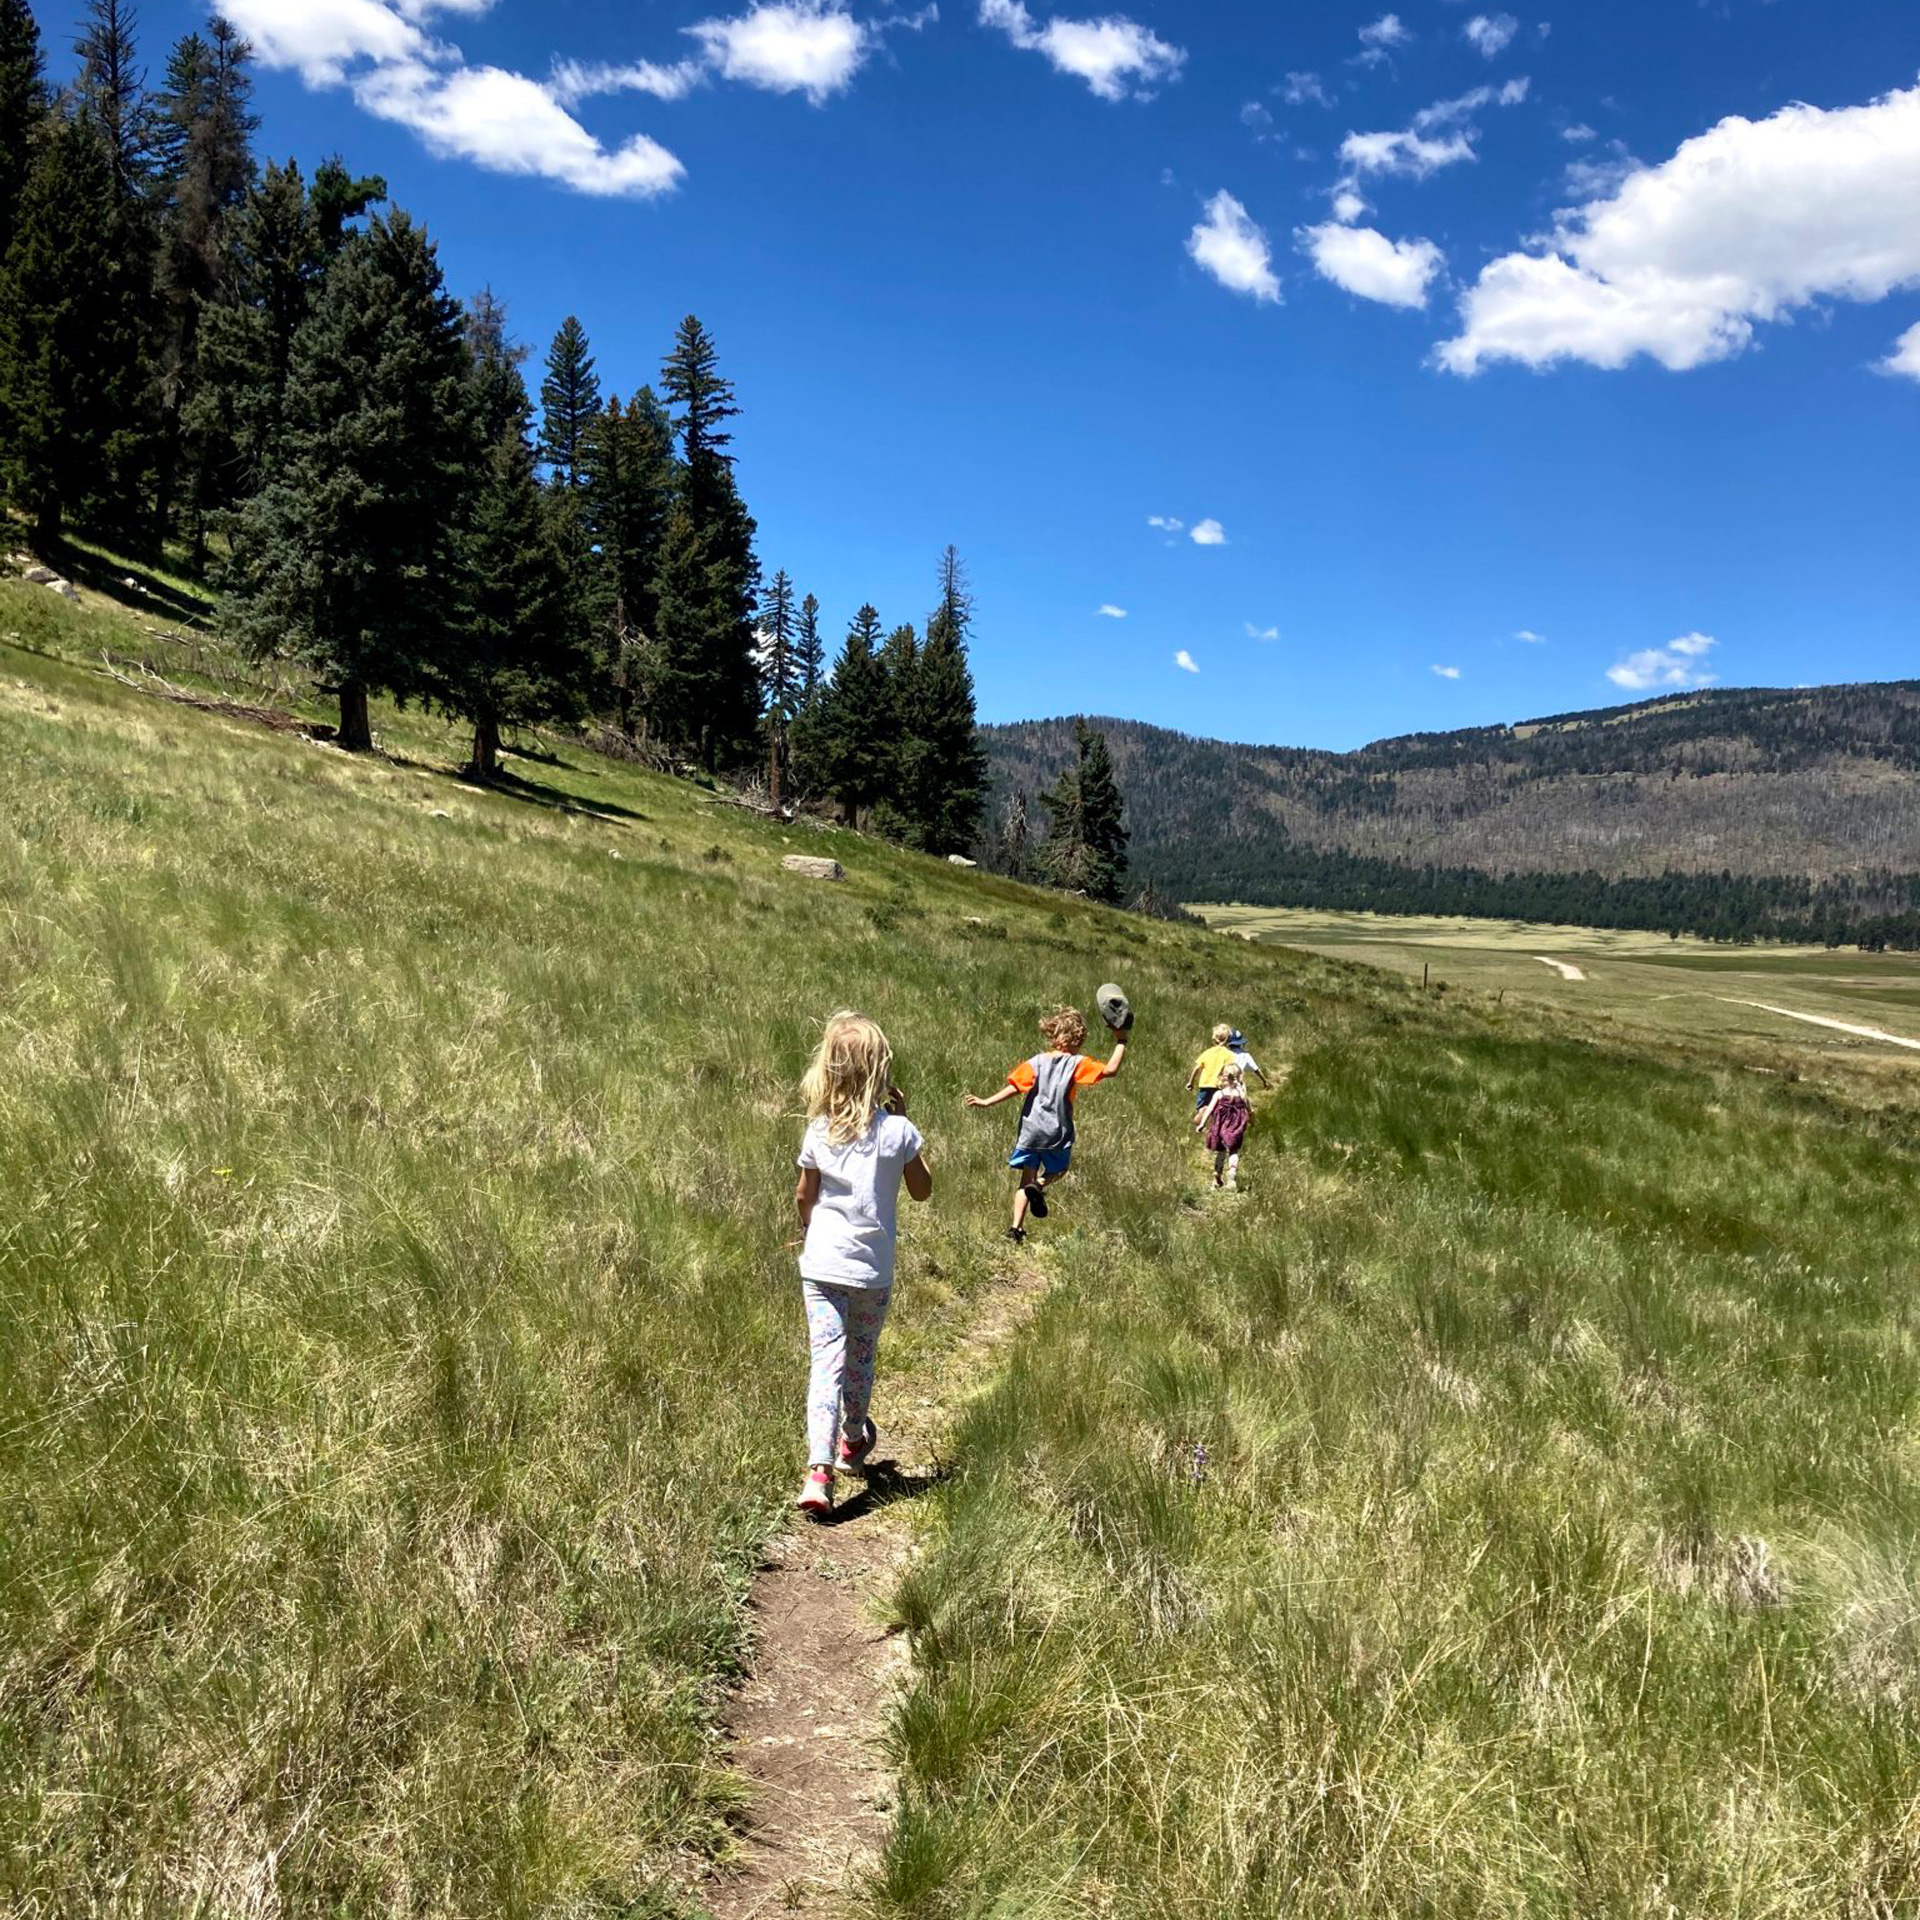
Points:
(1223, 1124)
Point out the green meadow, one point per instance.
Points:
(1506, 1504)
(1743, 999)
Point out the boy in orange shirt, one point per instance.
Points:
(1050, 1082)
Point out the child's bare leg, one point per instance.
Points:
(1219, 1162)
(1021, 1198)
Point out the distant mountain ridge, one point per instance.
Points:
(1733, 811)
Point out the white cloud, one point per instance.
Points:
(1209, 533)
(1532, 639)
(1397, 273)
(1441, 135)
(321, 39)
(1262, 633)
(1745, 224)
(574, 80)
(1166, 523)
(1231, 247)
(510, 124)
(1905, 357)
(1408, 152)
(788, 46)
(1115, 56)
(1348, 203)
(1677, 664)
(1107, 610)
(1300, 89)
(1578, 134)
(1255, 114)
(502, 121)
(1448, 673)
(1491, 34)
(1184, 660)
(1388, 31)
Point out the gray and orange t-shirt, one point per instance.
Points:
(1052, 1083)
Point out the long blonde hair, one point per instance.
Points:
(850, 1078)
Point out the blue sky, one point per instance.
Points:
(1597, 325)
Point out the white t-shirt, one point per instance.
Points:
(851, 1237)
(1248, 1064)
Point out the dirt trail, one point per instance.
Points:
(1564, 968)
(1839, 1026)
(807, 1728)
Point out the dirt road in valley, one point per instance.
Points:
(1821, 1020)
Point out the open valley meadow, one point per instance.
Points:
(1506, 1503)
(1839, 1012)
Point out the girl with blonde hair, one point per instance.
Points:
(858, 1148)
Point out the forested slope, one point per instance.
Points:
(1730, 811)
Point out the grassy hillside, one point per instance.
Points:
(1505, 1504)
(1792, 789)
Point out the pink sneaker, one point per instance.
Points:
(816, 1495)
(854, 1454)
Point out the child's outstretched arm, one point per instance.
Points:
(1118, 1059)
(1008, 1092)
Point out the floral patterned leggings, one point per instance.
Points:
(843, 1331)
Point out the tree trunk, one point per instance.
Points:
(773, 773)
(485, 761)
(356, 730)
(48, 526)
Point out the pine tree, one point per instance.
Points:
(110, 96)
(1086, 843)
(629, 490)
(569, 406)
(204, 173)
(896, 812)
(778, 665)
(347, 559)
(112, 91)
(337, 198)
(949, 795)
(691, 380)
(707, 683)
(23, 108)
(516, 657)
(809, 654)
(67, 364)
(849, 750)
(276, 248)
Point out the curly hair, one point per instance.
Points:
(1065, 1029)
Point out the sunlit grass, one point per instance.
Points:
(1505, 1504)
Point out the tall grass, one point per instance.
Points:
(1506, 1504)
(400, 1355)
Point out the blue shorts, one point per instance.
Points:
(1203, 1098)
(1052, 1161)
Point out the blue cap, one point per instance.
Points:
(1236, 1038)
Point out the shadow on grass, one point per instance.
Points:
(887, 1484)
(148, 595)
(510, 786)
